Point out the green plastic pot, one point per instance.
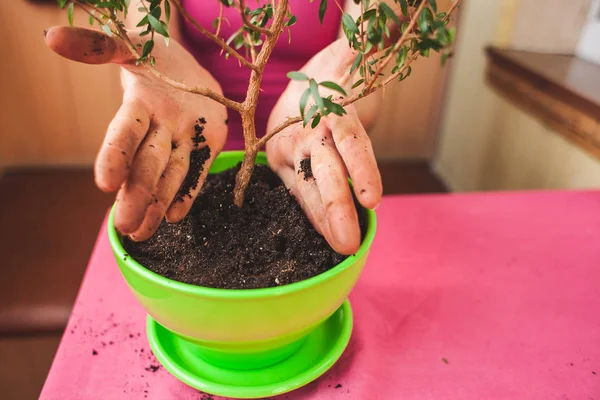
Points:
(242, 329)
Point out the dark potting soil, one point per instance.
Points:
(268, 242)
(306, 168)
(198, 157)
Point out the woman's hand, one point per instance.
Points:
(146, 151)
(338, 146)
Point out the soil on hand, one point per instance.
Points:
(268, 242)
(306, 168)
(198, 157)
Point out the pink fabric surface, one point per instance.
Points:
(505, 287)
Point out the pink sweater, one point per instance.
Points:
(308, 37)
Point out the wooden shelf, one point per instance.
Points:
(562, 91)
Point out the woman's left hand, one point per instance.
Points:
(337, 147)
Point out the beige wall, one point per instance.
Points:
(485, 142)
(51, 111)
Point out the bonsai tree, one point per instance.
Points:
(381, 36)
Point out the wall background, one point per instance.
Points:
(485, 142)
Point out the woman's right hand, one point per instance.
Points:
(146, 150)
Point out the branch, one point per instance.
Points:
(451, 10)
(288, 122)
(234, 105)
(347, 101)
(249, 24)
(249, 106)
(220, 19)
(220, 42)
(397, 46)
(122, 34)
(364, 46)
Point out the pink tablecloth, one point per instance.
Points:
(493, 296)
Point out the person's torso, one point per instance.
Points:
(307, 38)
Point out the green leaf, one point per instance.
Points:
(297, 76)
(166, 28)
(238, 42)
(385, 9)
(349, 23)
(315, 121)
(333, 86)
(314, 90)
(425, 20)
(106, 29)
(332, 107)
(322, 9)
(433, 5)
(401, 56)
(374, 36)
(143, 22)
(91, 19)
(368, 15)
(156, 13)
(158, 27)
(70, 13)
(62, 3)
(167, 11)
(303, 101)
(405, 75)
(423, 23)
(148, 46)
(404, 7)
(108, 4)
(309, 115)
(358, 83)
(356, 62)
(452, 34)
(445, 57)
(291, 21)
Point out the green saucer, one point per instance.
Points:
(320, 350)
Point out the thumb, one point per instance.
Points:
(87, 46)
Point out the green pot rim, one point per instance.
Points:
(194, 290)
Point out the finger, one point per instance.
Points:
(280, 154)
(354, 146)
(168, 186)
(125, 133)
(330, 174)
(200, 160)
(87, 46)
(307, 192)
(140, 189)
